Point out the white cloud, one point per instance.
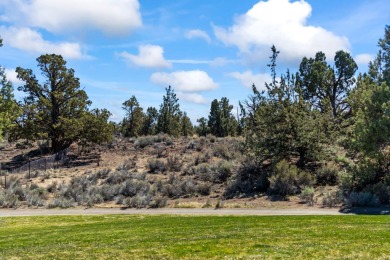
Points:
(247, 78)
(220, 62)
(185, 81)
(191, 61)
(217, 62)
(12, 76)
(150, 56)
(112, 17)
(32, 41)
(364, 59)
(198, 34)
(192, 97)
(282, 23)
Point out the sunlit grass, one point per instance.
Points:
(195, 237)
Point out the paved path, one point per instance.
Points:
(217, 212)
(197, 212)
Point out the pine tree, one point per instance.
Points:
(132, 124)
(221, 121)
(9, 109)
(169, 115)
(186, 125)
(202, 129)
(150, 121)
(379, 69)
(214, 122)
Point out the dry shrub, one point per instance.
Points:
(174, 163)
(250, 179)
(156, 166)
(288, 179)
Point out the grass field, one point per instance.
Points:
(195, 237)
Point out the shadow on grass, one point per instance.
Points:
(366, 211)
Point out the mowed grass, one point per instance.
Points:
(195, 237)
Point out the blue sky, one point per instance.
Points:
(203, 49)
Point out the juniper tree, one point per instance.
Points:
(326, 87)
(97, 129)
(53, 109)
(284, 124)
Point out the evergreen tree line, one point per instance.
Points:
(169, 119)
(304, 117)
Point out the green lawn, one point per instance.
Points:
(195, 237)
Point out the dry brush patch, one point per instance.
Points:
(157, 171)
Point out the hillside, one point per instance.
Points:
(152, 171)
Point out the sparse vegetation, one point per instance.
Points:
(332, 199)
(307, 196)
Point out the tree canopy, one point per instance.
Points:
(9, 109)
(168, 121)
(57, 108)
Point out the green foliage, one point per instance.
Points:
(327, 174)
(285, 125)
(366, 172)
(288, 179)
(280, 124)
(9, 109)
(250, 179)
(168, 121)
(202, 129)
(186, 125)
(362, 199)
(369, 133)
(249, 109)
(307, 195)
(223, 171)
(381, 191)
(379, 69)
(221, 121)
(144, 141)
(132, 124)
(150, 121)
(384, 44)
(332, 199)
(326, 87)
(58, 109)
(97, 128)
(54, 109)
(371, 129)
